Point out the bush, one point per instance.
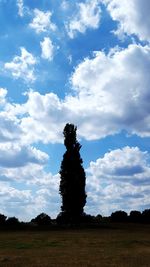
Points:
(2, 219)
(12, 221)
(135, 216)
(119, 216)
(98, 218)
(146, 216)
(42, 219)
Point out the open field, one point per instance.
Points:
(119, 246)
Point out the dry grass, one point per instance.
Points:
(126, 246)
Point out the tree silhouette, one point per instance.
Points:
(42, 219)
(119, 216)
(2, 219)
(135, 216)
(12, 222)
(146, 216)
(72, 183)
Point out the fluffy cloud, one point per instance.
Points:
(119, 180)
(15, 155)
(88, 16)
(127, 163)
(133, 17)
(26, 204)
(13, 200)
(47, 49)
(111, 93)
(22, 66)
(65, 5)
(23, 165)
(3, 93)
(40, 194)
(20, 5)
(10, 129)
(42, 21)
(107, 188)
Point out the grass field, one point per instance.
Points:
(120, 246)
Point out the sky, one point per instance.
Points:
(82, 62)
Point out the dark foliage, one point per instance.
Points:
(12, 221)
(135, 216)
(98, 218)
(87, 218)
(146, 216)
(119, 216)
(72, 183)
(42, 219)
(2, 219)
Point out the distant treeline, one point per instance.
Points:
(44, 220)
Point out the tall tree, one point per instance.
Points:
(72, 183)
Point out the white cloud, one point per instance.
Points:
(42, 21)
(3, 93)
(20, 5)
(88, 16)
(119, 180)
(111, 93)
(26, 204)
(10, 129)
(47, 49)
(133, 17)
(50, 118)
(22, 66)
(65, 5)
(14, 155)
(40, 194)
(23, 165)
(126, 163)
(107, 188)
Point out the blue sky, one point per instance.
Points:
(83, 62)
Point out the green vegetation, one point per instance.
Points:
(118, 245)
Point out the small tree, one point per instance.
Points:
(2, 219)
(146, 216)
(135, 216)
(72, 183)
(119, 216)
(42, 219)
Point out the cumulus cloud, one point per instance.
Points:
(47, 49)
(21, 164)
(87, 16)
(15, 155)
(111, 93)
(42, 21)
(119, 180)
(3, 93)
(127, 163)
(10, 129)
(13, 199)
(65, 5)
(22, 66)
(26, 204)
(40, 194)
(20, 5)
(133, 17)
(107, 189)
